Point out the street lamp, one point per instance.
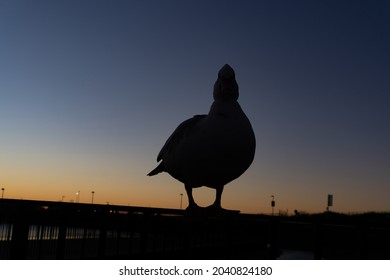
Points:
(181, 201)
(93, 193)
(2, 193)
(78, 196)
(273, 204)
(330, 201)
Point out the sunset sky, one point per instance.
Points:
(91, 90)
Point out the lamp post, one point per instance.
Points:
(181, 201)
(273, 204)
(330, 201)
(78, 196)
(93, 194)
(2, 193)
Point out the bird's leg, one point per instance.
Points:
(191, 201)
(218, 196)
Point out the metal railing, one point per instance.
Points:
(60, 230)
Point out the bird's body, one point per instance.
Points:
(211, 150)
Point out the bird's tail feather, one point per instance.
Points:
(158, 169)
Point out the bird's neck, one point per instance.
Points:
(219, 107)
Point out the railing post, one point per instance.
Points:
(19, 239)
(60, 254)
(318, 241)
(144, 234)
(363, 242)
(103, 234)
(274, 238)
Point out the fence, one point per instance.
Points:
(58, 230)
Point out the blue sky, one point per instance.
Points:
(90, 91)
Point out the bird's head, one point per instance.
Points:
(226, 87)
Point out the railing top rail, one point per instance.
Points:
(86, 206)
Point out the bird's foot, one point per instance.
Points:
(216, 209)
(193, 208)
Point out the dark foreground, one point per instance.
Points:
(58, 230)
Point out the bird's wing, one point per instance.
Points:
(182, 131)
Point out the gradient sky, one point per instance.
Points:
(90, 91)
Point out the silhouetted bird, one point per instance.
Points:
(211, 150)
